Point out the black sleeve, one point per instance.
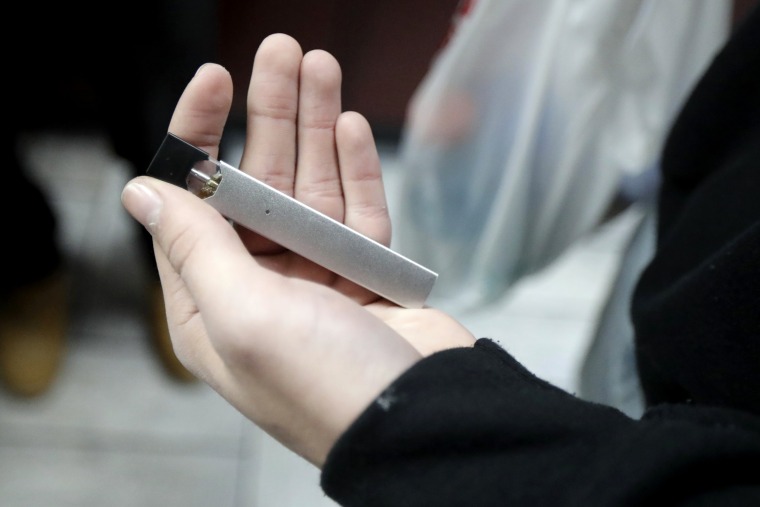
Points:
(696, 307)
(472, 427)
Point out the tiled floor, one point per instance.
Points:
(116, 431)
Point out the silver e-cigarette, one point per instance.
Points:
(290, 223)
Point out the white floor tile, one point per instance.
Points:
(52, 477)
(106, 397)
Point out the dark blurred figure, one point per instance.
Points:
(115, 67)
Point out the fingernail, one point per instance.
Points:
(201, 68)
(143, 203)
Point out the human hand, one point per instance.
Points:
(298, 350)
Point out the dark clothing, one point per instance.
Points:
(119, 69)
(472, 427)
(30, 230)
(697, 307)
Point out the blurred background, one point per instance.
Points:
(112, 419)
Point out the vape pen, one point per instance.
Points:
(293, 225)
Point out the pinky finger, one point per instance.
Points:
(366, 207)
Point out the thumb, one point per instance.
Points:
(200, 245)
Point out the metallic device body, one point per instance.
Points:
(299, 228)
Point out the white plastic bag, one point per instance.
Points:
(526, 124)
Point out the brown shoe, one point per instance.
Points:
(33, 326)
(161, 340)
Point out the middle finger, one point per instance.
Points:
(317, 176)
(270, 151)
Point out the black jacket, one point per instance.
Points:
(472, 427)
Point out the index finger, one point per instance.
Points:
(202, 110)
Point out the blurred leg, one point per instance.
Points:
(33, 288)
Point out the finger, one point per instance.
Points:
(270, 151)
(366, 210)
(366, 207)
(187, 329)
(201, 247)
(317, 176)
(202, 110)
